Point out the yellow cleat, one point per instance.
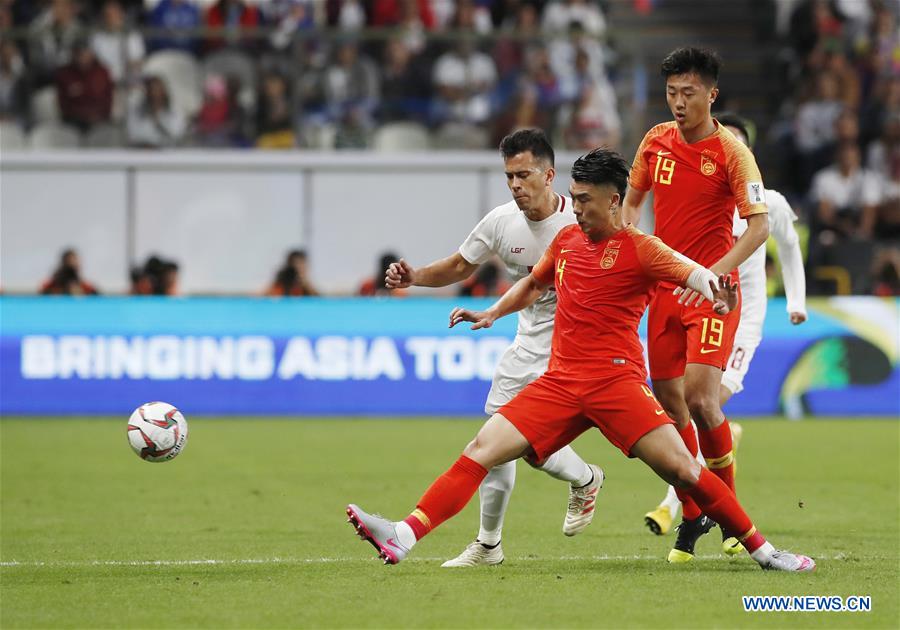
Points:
(731, 546)
(676, 556)
(659, 521)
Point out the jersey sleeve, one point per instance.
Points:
(745, 180)
(781, 226)
(481, 242)
(544, 270)
(660, 262)
(639, 178)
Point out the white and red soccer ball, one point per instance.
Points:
(157, 432)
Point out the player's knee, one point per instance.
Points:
(685, 471)
(704, 407)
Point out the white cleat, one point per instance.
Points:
(787, 561)
(476, 554)
(580, 512)
(380, 532)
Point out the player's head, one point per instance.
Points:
(692, 75)
(740, 127)
(598, 187)
(528, 161)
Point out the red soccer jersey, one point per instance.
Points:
(696, 188)
(602, 290)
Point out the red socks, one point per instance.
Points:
(689, 509)
(720, 504)
(717, 448)
(446, 496)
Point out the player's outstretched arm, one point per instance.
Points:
(788, 244)
(756, 234)
(440, 273)
(521, 295)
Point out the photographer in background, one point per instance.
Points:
(293, 278)
(66, 278)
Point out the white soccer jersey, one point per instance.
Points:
(753, 271)
(520, 243)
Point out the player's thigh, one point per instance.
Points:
(739, 362)
(666, 336)
(517, 368)
(624, 410)
(663, 450)
(548, 412)
(497, 442)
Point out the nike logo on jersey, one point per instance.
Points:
(708, 350)
(563, 251)
(663, 153)
(660, 412)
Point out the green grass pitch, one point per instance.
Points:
(247, 529)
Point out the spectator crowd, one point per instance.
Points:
(414, 74)
(305, 73)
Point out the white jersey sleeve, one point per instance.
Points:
(781, 227)
(481, 243)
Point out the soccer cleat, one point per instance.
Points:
(688, 534)
(659, 521)
(580, 512)
(476, 554)
(380, 532)
(731, 546)
(787, 561)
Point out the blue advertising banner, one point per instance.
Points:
(258, 356)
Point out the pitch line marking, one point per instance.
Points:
(267, 561)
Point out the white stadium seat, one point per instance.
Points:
(181, 74)
(50, 135)
(45, 105)
(401, 136)
(11, 136)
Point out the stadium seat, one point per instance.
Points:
(401, 136)
(182, 76)
(49, 135)
(107, 136)
(45, 105)
(233, 63)
(461, 136)
(12, 137)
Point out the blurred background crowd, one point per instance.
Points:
(820, 78)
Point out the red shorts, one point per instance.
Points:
(555, 409)
(678, 335)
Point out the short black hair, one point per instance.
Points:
(729, 119)
(701, 61)
(601, 167)
(534, 140)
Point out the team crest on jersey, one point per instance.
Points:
(609, 258)
(708, 162)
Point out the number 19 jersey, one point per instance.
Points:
(696, 188)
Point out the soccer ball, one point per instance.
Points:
(157, 432)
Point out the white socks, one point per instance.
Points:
(566, 465)
(494, 495)
(763, 554)
(405, 535)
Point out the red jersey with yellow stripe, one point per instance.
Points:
(696, 188)
(602, 290)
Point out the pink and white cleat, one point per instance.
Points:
(787, 561)
(380, 532)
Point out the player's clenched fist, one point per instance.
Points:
(399, 275)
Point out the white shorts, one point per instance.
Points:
(517, 368)
(739, 362)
